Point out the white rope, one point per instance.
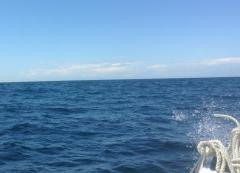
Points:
(235, 142)
(225, 157)
(227, 117)
(217, 149)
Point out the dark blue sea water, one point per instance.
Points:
(118, 126)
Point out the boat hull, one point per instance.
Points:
(206, 170)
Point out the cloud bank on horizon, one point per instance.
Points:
(219, 67)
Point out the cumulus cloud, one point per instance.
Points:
(222, 61)
(103, 68)
(157, 66)
(208, 67)
(110, 68)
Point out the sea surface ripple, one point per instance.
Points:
(112, 126)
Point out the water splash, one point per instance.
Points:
(179, 116)
(210, 127)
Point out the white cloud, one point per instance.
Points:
(103, 68)
(222, 61)
(157, 66)
(208, 67)
(110, 68)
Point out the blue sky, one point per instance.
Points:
(106, 39)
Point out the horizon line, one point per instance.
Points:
(75, 80)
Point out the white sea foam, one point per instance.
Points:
(179, 116)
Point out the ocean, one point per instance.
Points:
(112, 126)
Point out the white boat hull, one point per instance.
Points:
(206, 170)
